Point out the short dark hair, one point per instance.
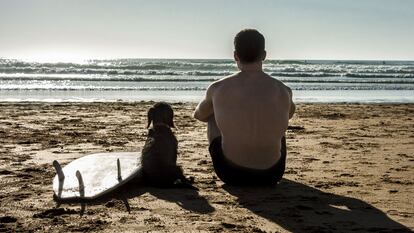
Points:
(249, 45)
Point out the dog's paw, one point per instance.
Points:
(178, 182)
(184, 184)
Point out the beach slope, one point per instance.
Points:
(350, 168)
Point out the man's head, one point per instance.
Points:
(249, 46)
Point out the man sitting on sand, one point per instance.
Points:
(247, 114)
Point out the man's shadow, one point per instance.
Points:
(299, 208)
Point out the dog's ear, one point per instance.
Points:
(170, 117)
(171, 123)
(150, 116)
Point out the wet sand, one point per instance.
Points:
(350, 168)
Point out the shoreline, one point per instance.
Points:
(172, 96)
(349, 168)
(121, 102)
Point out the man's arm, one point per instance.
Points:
(292, 105)
(205, 108)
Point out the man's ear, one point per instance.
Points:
(264, 55)
(150, 116)
(236, 57)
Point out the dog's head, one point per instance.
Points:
(161, 113)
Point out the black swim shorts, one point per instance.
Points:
(233, 174)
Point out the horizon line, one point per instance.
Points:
(57, 60)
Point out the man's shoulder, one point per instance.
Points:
(279, 84)
(275, 80)
(222, 81)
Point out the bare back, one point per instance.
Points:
(252, 113)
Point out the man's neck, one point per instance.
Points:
(250, 67)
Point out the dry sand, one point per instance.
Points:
(350, 168)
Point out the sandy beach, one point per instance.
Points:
(350, 168)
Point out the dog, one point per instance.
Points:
(159, 155)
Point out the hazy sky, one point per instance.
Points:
(294, 29)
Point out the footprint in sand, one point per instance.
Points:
(50, 213)
(8, 219)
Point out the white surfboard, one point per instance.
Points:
(94, 175)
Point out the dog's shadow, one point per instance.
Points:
(188, 199)
(299, 208)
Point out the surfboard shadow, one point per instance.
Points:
(188, 199)
(300, 208)
(122, 194)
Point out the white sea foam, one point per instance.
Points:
(121, 78)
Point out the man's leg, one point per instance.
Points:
(212, 130)
(222, 169)
(281, 165)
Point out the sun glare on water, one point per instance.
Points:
(55, 58)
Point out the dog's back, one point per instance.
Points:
(160, 149)
(159, 157)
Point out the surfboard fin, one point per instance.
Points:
(118, 164)
(81, 185)
(81, 191)
(59, 171)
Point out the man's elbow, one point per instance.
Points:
(199, 117)
(195, 115)
(292, 110)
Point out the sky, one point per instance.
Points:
(65, 30)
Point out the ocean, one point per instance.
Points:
(185, 80)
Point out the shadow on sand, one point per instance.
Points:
(188, 199)
(299, 208)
